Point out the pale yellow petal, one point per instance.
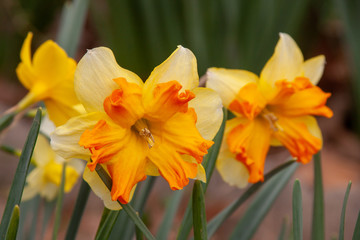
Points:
(28, 193)
(43, 152)
(49, 192)
(286, 62)
(47, 126)
(180, 66)
(100, 189)
(60, 113)
(314, 68)
(151, 169)
(312, 126)
(94, 78)
(228, 82)
(201, 174)
(232, 171)
(208, 108)
(65, 139)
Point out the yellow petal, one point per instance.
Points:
(28, 193)
(52, 66)
(228, 82)
(286, 62)
(151, 169)
(314, 68)
(234, 172)
(94, 78)
(201, 174)
(25, 75)
(64, 140)
(43, 152)
(181, 66)
(60, 113)
(100, 189)
(25, 53)
(208, 108)
(49, 192)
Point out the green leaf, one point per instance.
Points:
(49, 209)
(297, 211)
(35, 211)
(342, 219)
(356, 234)
(170, 212)
(199, 215)
(59, 203)
(71, 25)
(6, 120)
(18, 183)
(209, 164)
(261, 204)
(106, 224)
(14, 224)
(216, 222)
(318, 227)
(79, 208)
(126, 207)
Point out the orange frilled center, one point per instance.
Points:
(146, 131)
(285, 117)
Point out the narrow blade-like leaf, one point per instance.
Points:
(318, 227)
(106, 224)
(342, 219)
(59, 204)
(14, 224)
(79, 208)
(18, 183)
(356, 234)
(6, 120)
(261, 204)
(216, 222)
(297, 211)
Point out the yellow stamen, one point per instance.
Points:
(272, 119)
(143, 130)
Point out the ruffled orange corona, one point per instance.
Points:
(275, 109)
(134, 129)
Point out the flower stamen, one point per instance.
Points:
(272, 120)
(143, 130)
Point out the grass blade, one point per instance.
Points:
(107, 222)
(170, 213)
(6, 120)
(216, 222)
(297, 211)
(18, 183)
(342, 219)
(78, 210)
(318, 227)
(199, 215)
(261, 204)
(59, 203)
(14, 224)
(356, 234)
(209, 164)
(49, 209)
(72, 21)
(126, 207)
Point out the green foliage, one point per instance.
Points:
(297, 211)
(14, 224)
(342, 218)
(18, 183)
(318, 226)
(199, 213)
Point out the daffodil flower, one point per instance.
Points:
(133, 129)
(45, 178)
(49, 77)
(276, 109)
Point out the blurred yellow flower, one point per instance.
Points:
(49, 77)
(45, 178)
(161, 127)
(275, 109)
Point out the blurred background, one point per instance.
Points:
(232, 34)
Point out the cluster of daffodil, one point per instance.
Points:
(108, 116)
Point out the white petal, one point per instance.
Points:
(208, 108)
(49, 191)
(286, 62)
(94, 78)
(28, 193)
(99, 188)
(314, 68)
(65, 139)
(43, 152)
(180, 66)
(228, 82)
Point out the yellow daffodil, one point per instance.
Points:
(273, 109)
(45, 178)
(49, 77)
(133, 129)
